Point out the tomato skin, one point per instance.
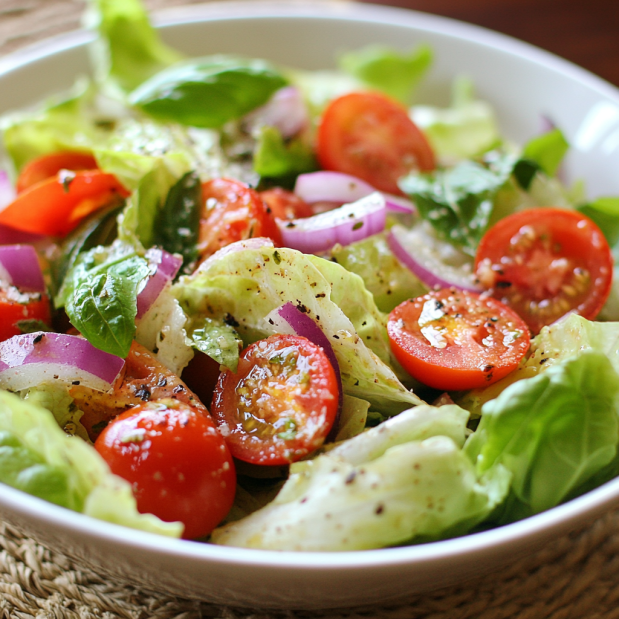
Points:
(176, 461)
(35, 306)
(232, 212)
(270, 412)
(46, 166)
(454, 340)
(372, 137)
(55, 206)
(544, 263)
(285, 204)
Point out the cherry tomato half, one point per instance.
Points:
(176, 461)
(281, 403)
(56, 206)
(369, 136)
(16, 306)
(544, 263)
(232, 212)
(286, 204)
(46, 166)
(453, 340)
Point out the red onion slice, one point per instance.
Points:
(164, 267)
(19, 266)
(420, 253)
(301, 324)
(35, 358)
(340, 188)
(343, 225)
(286, 111)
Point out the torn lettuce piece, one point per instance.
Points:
(217, 340)
(65, 470)
(127, 50)
(275, 157)
(466, 129)
(384, 276)
(353, 418)
(395, 73)
(387, 486)
(243, 287)
(553, 432)
(547, 151)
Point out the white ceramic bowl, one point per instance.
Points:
(523, 83)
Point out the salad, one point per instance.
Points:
(254, 306)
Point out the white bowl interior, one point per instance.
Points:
(523, 84)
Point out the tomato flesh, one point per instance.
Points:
(544, 263)
(281, 403)
(16, 306)
(369, 136)
(56, 205)
(47, 166)
(232, 212)
(453, 340)
(286, 204)
(176, 462)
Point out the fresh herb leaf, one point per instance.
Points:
(547, 151)
(208, 92)
(275, 157)
(177, 223)
(525, 171)
(605, 213)
(393, 72)
(458, 202)
(102, 297)
(219, 341)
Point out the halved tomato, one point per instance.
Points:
(285, 204)
(453, 340)
(372, 137)
(281, 403)
(544, 263)
(16, 306)
(232, 212)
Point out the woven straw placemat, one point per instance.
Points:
(574, 577)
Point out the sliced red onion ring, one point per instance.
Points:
(164, 267)
(286, 111)
(342, 189)
(420, 253)
(19, 266)
(301, 324)
(35, 358)
(343, 225)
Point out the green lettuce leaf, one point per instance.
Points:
(552, 432)
(244, 287)
(38, 457)
(547, 151)
(128, 49)
(406, 480)
(383, 275)
(605, 213)
(383, 68)
(217, 340)
(232, 87)
(274, 157)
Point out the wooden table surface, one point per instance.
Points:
(585, 32)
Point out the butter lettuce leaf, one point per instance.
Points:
(38, 457)
(243, 287)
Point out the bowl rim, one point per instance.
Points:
(541, 526)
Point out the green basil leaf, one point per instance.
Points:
(275, 157)
(208, 92)
(386, 69)
(605, 213)
(525, 171)
(177, 223)
(102, 299)
(547, 151)
(458, 201)
(219, 341)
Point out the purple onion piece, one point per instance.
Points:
(21, 264)
(344, 225)
(286, 111)
(331, 187)
(165, 266)
(34, 358)
(304, 326)
(432, 274)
